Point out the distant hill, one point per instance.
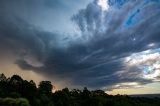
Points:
(146, 95)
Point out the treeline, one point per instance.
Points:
(15, 91)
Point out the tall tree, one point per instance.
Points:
(45, 87)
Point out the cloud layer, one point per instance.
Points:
(97, 58)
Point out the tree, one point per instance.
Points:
(2, 77)
(29, 89)
(3, 85)
(45, 87)
(15, 84)
(16, 78)
(86, 92)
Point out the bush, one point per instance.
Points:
(14, 102)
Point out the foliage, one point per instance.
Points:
(14, 102)
(15, 91)
(45, 87)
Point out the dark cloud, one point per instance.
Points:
(118, 40)
(96, 59)
(24, 65)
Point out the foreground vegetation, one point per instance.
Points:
(15, 91)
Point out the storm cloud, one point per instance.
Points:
(95, 58)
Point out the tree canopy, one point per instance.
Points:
(15, 91)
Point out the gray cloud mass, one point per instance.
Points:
(95, 58)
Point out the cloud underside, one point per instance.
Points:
(104, 54)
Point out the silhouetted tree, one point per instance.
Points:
(2, 77)
(45, 87)
(86, 92)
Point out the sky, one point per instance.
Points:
(112, 45)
